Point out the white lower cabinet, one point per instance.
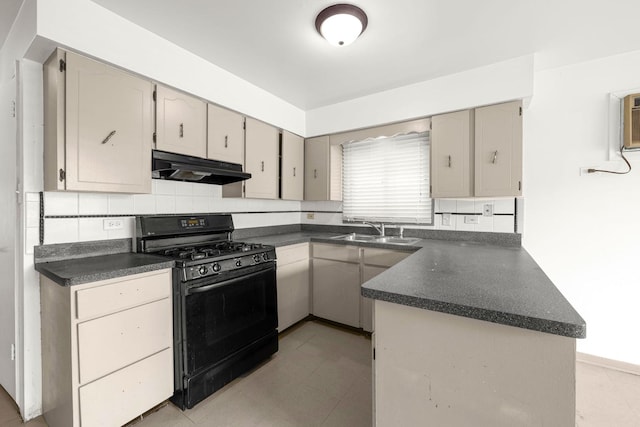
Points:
(336, 291)
(107, 349)
(293, 284)
(338, 272)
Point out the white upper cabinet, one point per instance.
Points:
(292, 171)
(98, 127)
(498, 150)
(181, 122)
(322, 169)
(452, 160)
(225, 135)
(261, 160)
(477, 152)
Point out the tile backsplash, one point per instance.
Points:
(72, 217)
(502, 220)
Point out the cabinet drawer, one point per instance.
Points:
(118, 295)
(336, 252)
(293, 253)
(125, 394)
(111, 342)
(383, 257)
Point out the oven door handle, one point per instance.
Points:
(202, 289)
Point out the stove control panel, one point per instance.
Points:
(233, 263)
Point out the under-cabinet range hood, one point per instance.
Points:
(179, 167)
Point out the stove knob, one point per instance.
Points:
(265, 256)
(238, 263)
(256, 258)
(202, 270)
(216, 267)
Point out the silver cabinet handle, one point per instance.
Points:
(262, 166)
(294, 171)
(181, 130)
(315, 173)
(495, 157)
(113, 132)
(449, 161)
(226, 139)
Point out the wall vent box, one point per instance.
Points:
(632, 121)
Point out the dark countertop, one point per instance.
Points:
(499, 284)
(90, 269)
(484, 281)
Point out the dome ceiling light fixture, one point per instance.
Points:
(341, 24)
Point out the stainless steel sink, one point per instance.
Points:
(397, 240)
(355, 237)
(394, 240)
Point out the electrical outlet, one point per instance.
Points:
(311, 215)
(487, 209)
(471, 219)
(112, 224)
(446, 219)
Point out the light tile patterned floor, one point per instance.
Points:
(322, 377)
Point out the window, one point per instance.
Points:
(386, 179)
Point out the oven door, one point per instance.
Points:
(222, 317)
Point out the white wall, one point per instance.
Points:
(584, 230)
(91, 29)
(503, 81)
(31, 126)
(11, 290)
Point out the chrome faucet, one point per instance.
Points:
(380, 229)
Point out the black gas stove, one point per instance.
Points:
(201, 245)
(219, 257)
(224, 299)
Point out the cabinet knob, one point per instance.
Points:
(181, 130)
(226, 139)
(104, 141)
(449, 165)
(262, 166)
(294, 171)
(495, 157)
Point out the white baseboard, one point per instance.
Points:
(608, 363)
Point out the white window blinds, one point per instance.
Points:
(387, 179)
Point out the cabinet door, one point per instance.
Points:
(108, 128)
(316, 168)
(498, 150)
(293, 293)
(336, 291)
(181, 123)
(452, 170)
(225, 135)
(261, 159)
(366, 304)
(292, 172)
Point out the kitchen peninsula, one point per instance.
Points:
(472, 334)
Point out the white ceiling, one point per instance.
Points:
(8, 12)
(274, 45)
